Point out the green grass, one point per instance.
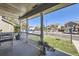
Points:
(64, 45)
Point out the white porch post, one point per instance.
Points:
(27, 30)
(42, 35)
(20, 28)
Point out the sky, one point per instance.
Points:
(61, 16)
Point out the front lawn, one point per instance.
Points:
(64, 45)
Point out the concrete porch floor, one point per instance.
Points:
(21, 48)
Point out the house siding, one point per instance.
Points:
(5, 27)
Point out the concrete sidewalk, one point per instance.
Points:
(76, 44)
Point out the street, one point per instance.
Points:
(60, 35)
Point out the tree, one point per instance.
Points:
(16, 29)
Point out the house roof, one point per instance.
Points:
(72, 22)
(77, 22)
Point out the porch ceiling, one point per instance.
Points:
(45, 8)
(15, 9)
(28, 10)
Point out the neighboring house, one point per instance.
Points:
(73, 26)
(23, 26)
(5, 27)
(31, 28)
(37, 28)
(54, 28)
(61, 28)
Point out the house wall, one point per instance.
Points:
(74, 27)
(5, 27)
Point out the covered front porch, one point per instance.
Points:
(23, 48)
(25, 44)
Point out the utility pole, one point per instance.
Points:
(71, 34)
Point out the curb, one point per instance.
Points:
(64, 52)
